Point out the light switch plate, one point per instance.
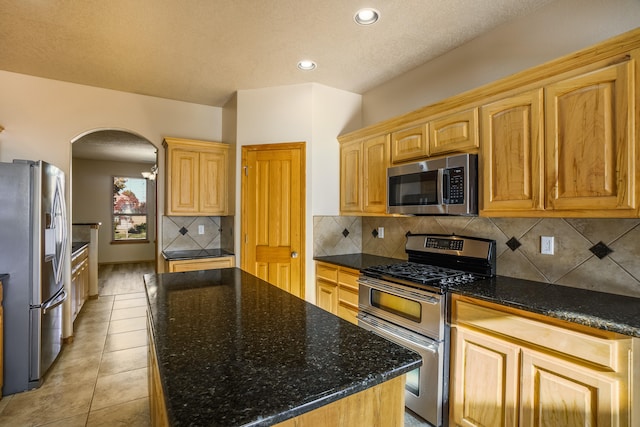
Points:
(380, 232)
(546, 245)
(201, 229)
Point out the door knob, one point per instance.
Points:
(294, 254)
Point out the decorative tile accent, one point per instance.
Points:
(513, 243)
(177, 237)
(345, 232)
(600, 250)
(374, 233)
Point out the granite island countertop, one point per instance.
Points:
(235, 350)
(610, 312)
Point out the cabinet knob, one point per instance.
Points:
(294, 254)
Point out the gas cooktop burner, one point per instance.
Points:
(436, 261)
(421, 273)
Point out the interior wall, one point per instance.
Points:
(41, 117)
(556, 29)
(309, 113)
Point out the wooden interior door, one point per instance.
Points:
(273, 214)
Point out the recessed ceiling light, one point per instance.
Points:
(306, 65)
(366, 16)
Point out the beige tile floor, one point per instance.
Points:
(100, 379)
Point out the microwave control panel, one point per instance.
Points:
(456, 186)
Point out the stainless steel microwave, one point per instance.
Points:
(439, 186)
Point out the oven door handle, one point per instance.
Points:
(386, 332)
(373, 283)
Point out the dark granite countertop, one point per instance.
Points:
(358, 261)
(76, 246)
(3, 277)
(600, 310)
(235, 350)
(194, 254)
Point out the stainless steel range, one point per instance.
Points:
(407, 303)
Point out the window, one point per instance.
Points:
(129, 209)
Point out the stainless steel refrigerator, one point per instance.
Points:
(33, 241)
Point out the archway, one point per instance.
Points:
(99, 159)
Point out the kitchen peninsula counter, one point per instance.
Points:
(232, 350)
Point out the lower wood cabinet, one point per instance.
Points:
(514, 368)
(182, 265)
(157, 406)
(79, 280)
(337, 290)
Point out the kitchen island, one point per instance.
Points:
(230, 349)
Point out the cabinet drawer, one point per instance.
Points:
(348, 279)
(326, 272)
(589, 348)
(348, 295)
(348, 312)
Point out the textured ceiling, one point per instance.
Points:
(202, 51)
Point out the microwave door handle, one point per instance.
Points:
(440, 186)
(445, 186)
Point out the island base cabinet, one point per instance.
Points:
(157, 407)
(378, 406)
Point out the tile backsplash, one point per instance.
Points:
(573, 263)
(181, 233)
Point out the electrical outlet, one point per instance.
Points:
(380, 232)
(546, 245)
(201, 229)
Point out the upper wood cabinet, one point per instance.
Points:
(511, 170)
(454, 132)
(196, 177)
(351, 172)
(575, 156)
(590, 147)
(410, 144)
(376, 162)
(363, 176)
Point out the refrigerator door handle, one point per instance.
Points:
(54, 302)
(59, 210)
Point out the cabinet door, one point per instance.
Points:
(327, 295)
(590, 142)
(213, 182)
(376, 162)
(484, 380)
(351, 177)
(454, 132)
(409, 144)
(183, 191)
(557, 392)
(512, 154)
